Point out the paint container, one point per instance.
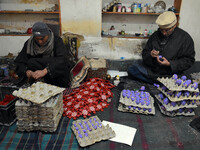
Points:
(123, 9)
(115, 9)
(135, 7)
(128, 9)
(119, 7)
(145, 8)
(138, 9)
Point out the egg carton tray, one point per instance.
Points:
(49, 109)
(170, 84)
(132, 100)
(91, 130)
(196, 77)
(46, 126)
(175, 112)
(170, 107)
(136, 110)
(174, 98)
(38, 92)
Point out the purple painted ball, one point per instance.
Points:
(187, 83)
(175, 77)
(124, 94)
(178, 82)
(142, 101)
(183, 78)
(137, 100)
(178, 94)
(173, 104)
(195, 85)
(164, 88)
(148, 102)
(180, 110)
(161, 96)
(160, 58)
(187, 93)
(183, 102)
(193, 102)
(142, 88)
(196, 94)
(170, 93)
(132, 98)
(156, 85)
(166, 100)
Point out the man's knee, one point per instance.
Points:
(132, 69)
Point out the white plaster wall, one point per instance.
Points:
(81, 17)
(11, 44)
(20, 22)
(190, 22)
(111, 48)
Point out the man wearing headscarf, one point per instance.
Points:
(44, 56)
(169, 50)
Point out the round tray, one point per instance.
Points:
(160, 3)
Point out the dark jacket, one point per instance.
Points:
(178, 49)
(58, 65)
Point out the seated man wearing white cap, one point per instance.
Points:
(169, 50)
(44, 56)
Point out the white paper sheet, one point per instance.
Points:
(124, 134)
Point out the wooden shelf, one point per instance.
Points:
(28, 16)
(15, 34)
(28, 12)
(131, 13)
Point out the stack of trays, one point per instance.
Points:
(178, 96)
(91, 130)
(44, 117)
(39, 107)
(136, 102)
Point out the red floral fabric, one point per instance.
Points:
(89, 98)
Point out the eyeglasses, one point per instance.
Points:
(166, 30)
(40, 38)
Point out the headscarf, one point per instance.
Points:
(46, 50)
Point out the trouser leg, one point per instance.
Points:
(139, 72)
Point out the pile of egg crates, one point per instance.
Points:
(135, 101)
(178, 96)
(44, 117)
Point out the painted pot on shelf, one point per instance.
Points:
(29, 31)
